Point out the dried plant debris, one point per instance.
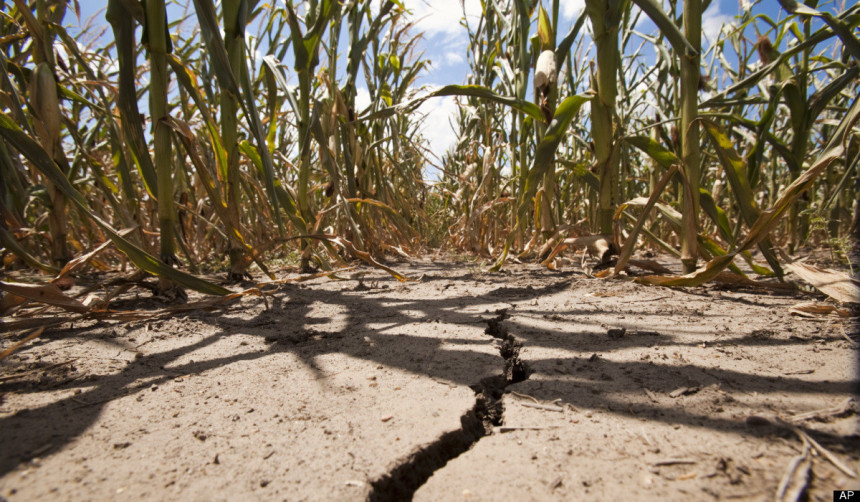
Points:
(837, 285)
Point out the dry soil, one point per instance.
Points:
(529, 384)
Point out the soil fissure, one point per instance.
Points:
(408, 476)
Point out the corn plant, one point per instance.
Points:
(247, 157)
(46, 116)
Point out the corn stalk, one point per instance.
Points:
(605, 25)
(44, 102)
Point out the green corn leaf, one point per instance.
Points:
(407, 80)
(716, 214)
(711, 249)
(543, 161)
(74, 96)
(735, 168)
(737, 174)
(655, 150)
(385, 95)
(122, 23)
(564, 46)
(545, 154)
(306, 46)
(286, 198)
(188, 80)
(546, 33)
(275, 69)
(478, 91)
(781, 148)
(768, 219)
(326, 9)
(756, 268)
(843, 30)
(211, 35)
(754, 158)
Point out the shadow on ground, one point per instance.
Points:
(402, 326)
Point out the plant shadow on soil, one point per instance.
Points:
(289, 326)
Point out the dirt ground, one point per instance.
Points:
(529, 384)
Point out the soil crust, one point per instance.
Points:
(529, 384)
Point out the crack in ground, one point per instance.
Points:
(403, 481)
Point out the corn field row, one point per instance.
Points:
(170, 138)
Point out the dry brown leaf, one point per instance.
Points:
(596, 245)
(9, 301)
(325, 273)
(209, 303)
(837, 285)
(49, 294)
(84, 258)
(814, 309)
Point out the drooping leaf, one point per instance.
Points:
(769, 218)
(42, 161)
(48, 294)
(843, 30)
(666, 158)
(735, 169)
(667, 26)
(837, 285)
(717, 215)
(543, 161)
(478, 91)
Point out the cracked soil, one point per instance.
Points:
(530, 384)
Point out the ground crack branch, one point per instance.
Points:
(407, 476)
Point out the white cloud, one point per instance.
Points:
(437, 126)
(571, 8)
(644, 24)
(362, 98)
(713, 21)
(442, 16)
(453, 58)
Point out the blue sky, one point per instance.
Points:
(445, 43)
